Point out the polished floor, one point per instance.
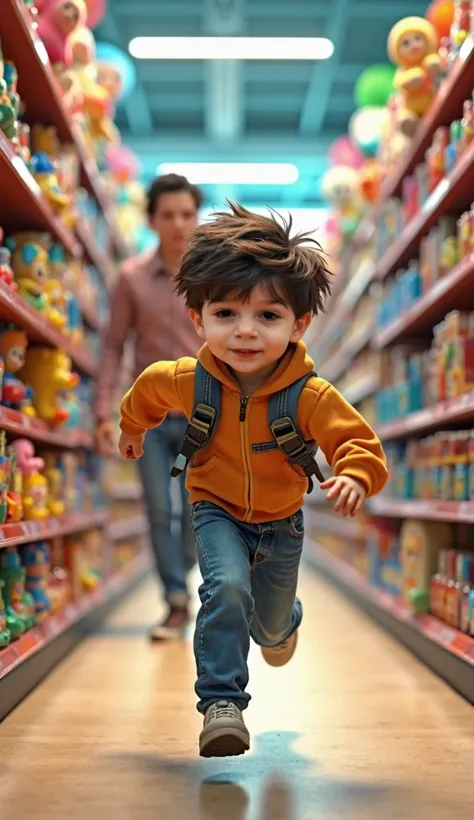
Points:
(354, 728)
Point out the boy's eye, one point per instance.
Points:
(269, 315)
(224, 313)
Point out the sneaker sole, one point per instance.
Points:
(279, 658)
(224, 743)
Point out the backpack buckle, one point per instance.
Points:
(196, 436)
(288, 439)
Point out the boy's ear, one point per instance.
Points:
(196, 319)
(300, 327)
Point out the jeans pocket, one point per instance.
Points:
(296, 524)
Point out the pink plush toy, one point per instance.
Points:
(58, 20)
(26, 460)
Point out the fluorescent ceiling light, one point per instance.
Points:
(231, 48)
(233, 173)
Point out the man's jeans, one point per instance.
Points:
(175, 553)
(250, 573)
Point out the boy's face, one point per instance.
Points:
(250, 336)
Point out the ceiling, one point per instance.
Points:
(286, 111)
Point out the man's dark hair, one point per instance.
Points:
(238, 250)
(170, 184)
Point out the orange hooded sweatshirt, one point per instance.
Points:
(252, 485)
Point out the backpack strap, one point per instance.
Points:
(282, 416)
(203, 422)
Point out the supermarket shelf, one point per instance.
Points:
(454, 191)
(337, 364)
(459, 511)
(24, 663)
(18, 424)
(43, 98)
(23, 532)
(14, 309)
(362, 389)
(22, 201)
(125, 491)
(131, 527)
(326, 521)
(446, 107)
(446, 412)
(454, 290)
(447, 651)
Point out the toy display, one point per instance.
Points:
(19, 604)
(30, 265)
(413, 47)
(15, 393)
(48, 370)
(58, 19)
(36, 560)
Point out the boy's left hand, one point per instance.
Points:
(348, 494)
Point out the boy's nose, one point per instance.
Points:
(246, 329)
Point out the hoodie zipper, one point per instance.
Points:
(244, 400)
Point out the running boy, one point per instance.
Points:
(251, 290)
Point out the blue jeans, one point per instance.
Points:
(250, 573)
(175, 553)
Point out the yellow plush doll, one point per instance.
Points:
(412, 46)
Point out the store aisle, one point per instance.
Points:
(353, 728)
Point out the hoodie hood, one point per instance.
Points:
(295, 363)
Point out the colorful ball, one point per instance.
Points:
(375, 85)
(441, 14)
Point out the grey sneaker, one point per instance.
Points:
(281, 654)
(224, 733)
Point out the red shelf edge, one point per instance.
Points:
(26, 180)
(23, 312)
(445, 412)
(43, 633)
(429, 510)
(13, 421)
(24, 532)
(441, 633)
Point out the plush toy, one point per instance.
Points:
(341, 188)
(15, 394)
(412, 46)
(58, 20)
(30, 265)
(48, 370)
(97, 104)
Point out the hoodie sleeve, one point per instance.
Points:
(350, 445)
(153, 395)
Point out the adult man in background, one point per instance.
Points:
(144, 303)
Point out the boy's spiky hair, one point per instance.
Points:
(238, 250)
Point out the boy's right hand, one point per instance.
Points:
(131, 447)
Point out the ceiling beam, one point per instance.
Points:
(319, 92)
(224, 114)
(136, 107)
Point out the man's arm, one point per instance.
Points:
(114, 338)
